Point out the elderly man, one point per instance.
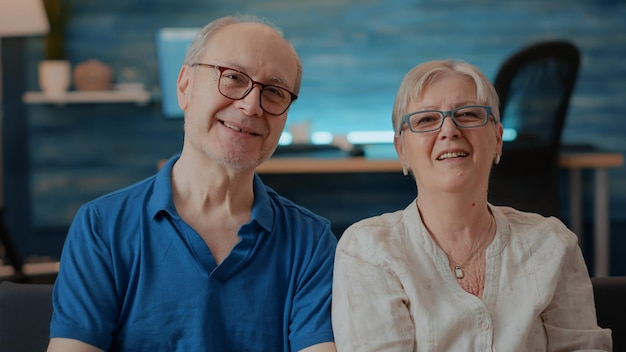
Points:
(202, 256)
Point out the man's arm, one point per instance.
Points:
(321, 347)
(69, 345)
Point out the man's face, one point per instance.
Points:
(238, 134)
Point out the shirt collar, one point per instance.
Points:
(161, 200)
(262, 210)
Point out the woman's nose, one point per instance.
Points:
(449, 128)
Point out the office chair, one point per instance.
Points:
(10, 251)
(23, 272)
(25, 314)
(534, 85)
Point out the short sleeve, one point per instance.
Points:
(370, 310)
(84, 299)
(570, 318)
(310, 319)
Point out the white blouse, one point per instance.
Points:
(393, 290)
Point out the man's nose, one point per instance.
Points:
(251, 103)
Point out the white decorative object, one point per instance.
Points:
(54, 77)
(300, 132)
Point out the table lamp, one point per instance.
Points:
(19, 18)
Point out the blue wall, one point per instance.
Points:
(354, 53)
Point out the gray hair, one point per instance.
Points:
(198, 45)
(421, 76)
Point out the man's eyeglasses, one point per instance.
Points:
(236, 85)
(431, 120)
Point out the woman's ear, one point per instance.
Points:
(399, 145)
(500, 142)
(498, 132)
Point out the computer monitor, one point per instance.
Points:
(171, 47)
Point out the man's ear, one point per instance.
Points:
(183, 87)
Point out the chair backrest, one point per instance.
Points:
(609, 293)
(534, 86)
(25, 313)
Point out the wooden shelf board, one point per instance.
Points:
(84, 97)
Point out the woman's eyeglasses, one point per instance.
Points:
(431, 120)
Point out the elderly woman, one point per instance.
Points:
(452, 272)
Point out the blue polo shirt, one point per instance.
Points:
(135, 277)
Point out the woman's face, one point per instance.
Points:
(450, 159)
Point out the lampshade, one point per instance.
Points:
(22, 18)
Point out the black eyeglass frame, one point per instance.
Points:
(252, 84)
(444, 114)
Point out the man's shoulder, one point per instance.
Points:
(125, 196)
(291, 208)
(298, 221)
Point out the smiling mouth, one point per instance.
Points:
(451, 155)
(235, 128)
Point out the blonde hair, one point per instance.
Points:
(421, 76)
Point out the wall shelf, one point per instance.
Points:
(138, 96)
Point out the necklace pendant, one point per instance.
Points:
(458, 271)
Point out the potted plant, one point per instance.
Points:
(55, 69)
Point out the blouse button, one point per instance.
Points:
(485, 325)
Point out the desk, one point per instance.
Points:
(574, 161)
(600, 162)
(31, 269)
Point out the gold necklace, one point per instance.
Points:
(458, 267)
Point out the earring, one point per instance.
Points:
(497, 161)
(405, 171)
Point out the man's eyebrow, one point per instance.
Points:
(278, 81)
(273, 80)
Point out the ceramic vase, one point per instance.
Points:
(54, 77)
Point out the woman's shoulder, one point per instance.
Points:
(373, 232)
(533, 227)
(375, 226)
